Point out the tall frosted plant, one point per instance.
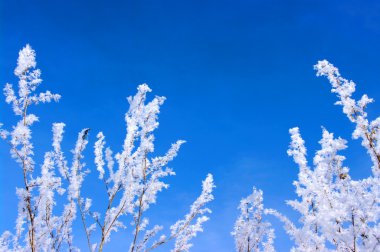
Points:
(133, 177)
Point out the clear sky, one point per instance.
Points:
(237, 75)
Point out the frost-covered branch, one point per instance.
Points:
(251, 233)
(367, 130)
(184, 230)
(20, 141)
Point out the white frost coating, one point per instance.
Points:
(3, 133)
(98, 150)
(297, 148)
(110, 163)
(251, 233)
(29, 79)
(183, 230)
(45, 221)
(57, 136)
(60, 160)
(77, 174)
(50, 231)
(26, 60)
(5, 239)
(149, 234)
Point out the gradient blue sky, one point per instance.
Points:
(237, 75)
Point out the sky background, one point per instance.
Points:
(237, 75)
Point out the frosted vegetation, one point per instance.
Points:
(133, 177)
(337, 213)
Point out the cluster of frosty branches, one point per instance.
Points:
(138, 177)
(367, 130)
(37, 227)
(251, 233)
(131, 187)
(184, 230)
(337, 212)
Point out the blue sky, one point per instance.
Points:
(237, 75)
